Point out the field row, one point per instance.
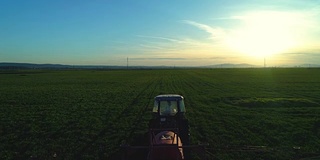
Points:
(88, 114)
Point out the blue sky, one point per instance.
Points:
(166, 32)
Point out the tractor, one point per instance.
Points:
(168, 137)
(169, 123)
(169, 112)
(168, 131)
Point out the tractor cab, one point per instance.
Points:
(169, 131)
(168, 105)
(169, 112)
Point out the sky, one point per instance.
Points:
(156, 33)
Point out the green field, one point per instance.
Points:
(87, 114)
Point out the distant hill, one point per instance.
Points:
(6, 65)
(31, 65)
(230, 65)
(60, 66)
(309, 65)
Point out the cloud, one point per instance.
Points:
(217, 58)
(217, 49)
(185, 41)
(215, 32)
(161, 38)
(165, 58)
(316, 53)
(150, 46)
(166, 46)
(230, 18)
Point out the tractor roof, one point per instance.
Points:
(169, 97)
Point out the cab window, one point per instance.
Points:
(182, 107)
(168, 108)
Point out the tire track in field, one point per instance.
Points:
(142, 112)
(127, 110)
(137, 120)
(114, 123)
(215, 107)
(198, 128)
(192, 88)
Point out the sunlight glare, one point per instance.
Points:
(264, 34)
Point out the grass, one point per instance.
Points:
(86, 114)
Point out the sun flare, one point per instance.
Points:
(264, 34)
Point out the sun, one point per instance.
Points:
(263, 34)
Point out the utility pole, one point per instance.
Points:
(265, 63)
(127, 62)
